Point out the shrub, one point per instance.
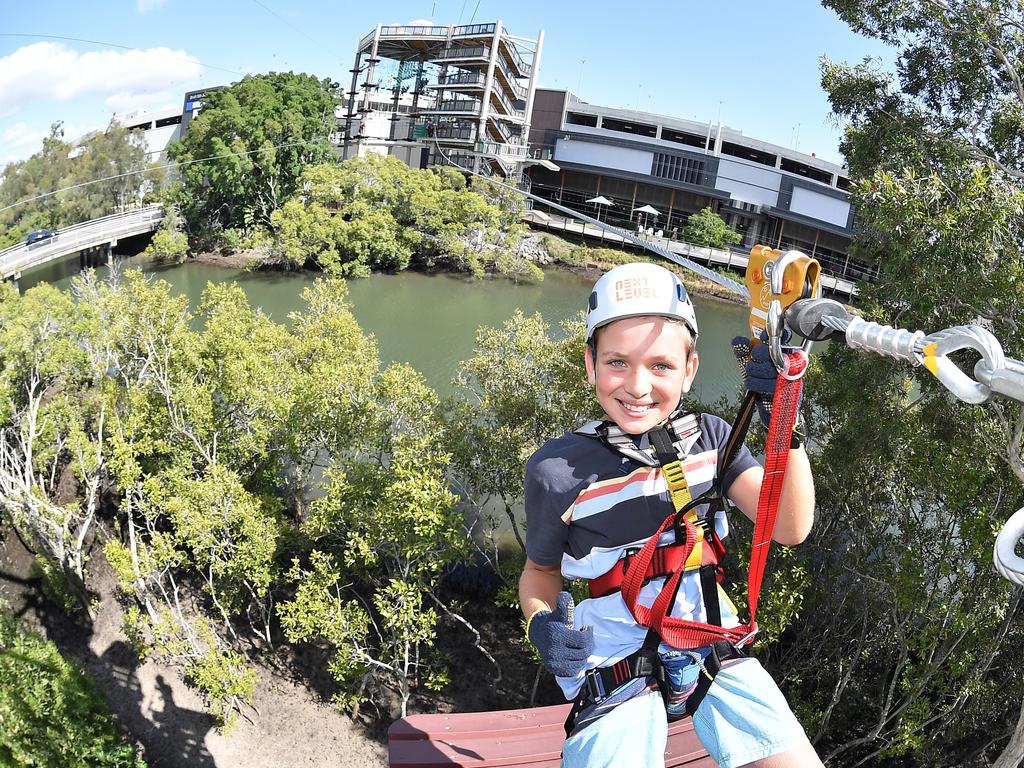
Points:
(167, 246)
(51, 713)
(708, 228)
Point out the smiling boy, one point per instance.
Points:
(594, 496)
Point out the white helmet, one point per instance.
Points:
(636, 290)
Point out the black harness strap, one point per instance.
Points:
(599, 683)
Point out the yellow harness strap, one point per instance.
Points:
(679, 490)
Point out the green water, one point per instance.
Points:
(430, 321)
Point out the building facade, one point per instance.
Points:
(767, 193)
(472, 87)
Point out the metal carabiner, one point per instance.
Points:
(938, 345)
(774, 322)
(747, 638)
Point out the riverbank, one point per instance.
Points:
(546, 250)
(245, 258)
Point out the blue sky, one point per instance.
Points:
(754, 64)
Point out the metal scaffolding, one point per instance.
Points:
(472, 95)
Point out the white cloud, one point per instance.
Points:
(145, 6)
(52, 71)
(19, 141)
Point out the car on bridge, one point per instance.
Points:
(38, 235)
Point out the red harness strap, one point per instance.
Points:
(665, 560)
(693, 634)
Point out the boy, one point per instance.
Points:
(593, 497)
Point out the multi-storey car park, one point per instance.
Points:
(482, 79)
(767, 193)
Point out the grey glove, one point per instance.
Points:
(758, 371)
(563, 650)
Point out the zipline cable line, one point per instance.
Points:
(818, 319)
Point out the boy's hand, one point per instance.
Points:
(564, 650)
(759, 373)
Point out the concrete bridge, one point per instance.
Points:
(89, 235)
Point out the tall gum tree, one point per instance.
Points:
(909, 641)
(260, 133)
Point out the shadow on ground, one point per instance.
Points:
(172, 736)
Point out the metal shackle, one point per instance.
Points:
(1007, 381)
(1004, 554)
(938, 345)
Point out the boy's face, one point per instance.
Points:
(642, 370)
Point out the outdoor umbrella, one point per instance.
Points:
(647, 210)
(600, 200)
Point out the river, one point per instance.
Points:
(430, 321)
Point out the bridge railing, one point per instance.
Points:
(19, 256)
(147, 212)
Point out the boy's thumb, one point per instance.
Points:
(565, 607)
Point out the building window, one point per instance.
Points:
(623, 126)
(677, 168)
(679, 137)
(805, 170)
(575, 118)
(748, 153)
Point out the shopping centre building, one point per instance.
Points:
(469, 95)
(477, 103)
(767, 193)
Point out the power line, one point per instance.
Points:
(153, 168)
(115, 45)
(285, 21)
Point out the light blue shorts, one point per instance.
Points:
(744, 717)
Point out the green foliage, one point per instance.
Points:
(113, 152)
(214, 431)
(167, 246)
(521, 388)
(52, 714)
(50, 429)
(377, 213)
(908, 638)
(54, 583)
(381, 535)
(264, 130)
(708, 228)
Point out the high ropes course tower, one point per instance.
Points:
(472, 89)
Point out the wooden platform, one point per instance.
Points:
(516, 737)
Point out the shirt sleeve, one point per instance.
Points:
(546, 532)
(718, 431)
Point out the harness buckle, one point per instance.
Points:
(627, 556)
(594, 686)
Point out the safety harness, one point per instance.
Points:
(696, 546)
